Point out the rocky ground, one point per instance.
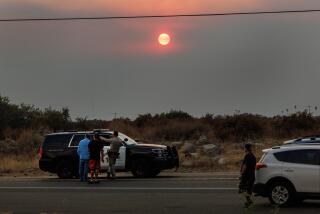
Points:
(204, 154)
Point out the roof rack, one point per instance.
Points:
(101, 130)
(310, 136)
(301, 144)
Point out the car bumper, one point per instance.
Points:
(260, 190)
(166, 163)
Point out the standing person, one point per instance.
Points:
(83, 152)
(96, 155)
(113, 153)
(247, 174)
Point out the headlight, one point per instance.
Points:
(158, 152)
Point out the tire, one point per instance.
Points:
(281, 193)
(65, 169)
(154, 173)
(141, 168)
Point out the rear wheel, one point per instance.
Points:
(65, 169)
(281, 193)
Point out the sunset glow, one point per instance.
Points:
(164, 39)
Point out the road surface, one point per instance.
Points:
(176, 193)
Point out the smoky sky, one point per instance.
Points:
(258, 64)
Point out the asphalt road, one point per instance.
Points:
(181, 194)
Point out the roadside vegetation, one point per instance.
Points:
(209, 142)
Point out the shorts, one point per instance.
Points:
(246, 185)
(94, 164)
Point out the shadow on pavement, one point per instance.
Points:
(304, 206)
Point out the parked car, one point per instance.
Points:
(289, 173)
(58, 154)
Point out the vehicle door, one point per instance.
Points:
(303, 169)
(120, 163)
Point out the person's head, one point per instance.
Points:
(116, 133)
(248, 148)
(96, 136)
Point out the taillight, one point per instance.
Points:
(40, 152)
(260, 166)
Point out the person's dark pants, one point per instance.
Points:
(83, 170)
(246, 185)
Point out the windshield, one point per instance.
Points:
(130, 140)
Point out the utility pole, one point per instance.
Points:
(309, 109)
(114, 121)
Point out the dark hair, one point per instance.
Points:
(96, 135)
(116, 133)
(248, 147)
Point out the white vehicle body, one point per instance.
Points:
(295, 168)
(121, 161)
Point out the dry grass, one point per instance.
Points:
(19, 165)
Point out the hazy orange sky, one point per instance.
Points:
(213, 64)
(134, 7)
(143, 6)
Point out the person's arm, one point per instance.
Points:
(78, 150)
(102, 155)
(105, 139)
(244, 165)
(243, 169)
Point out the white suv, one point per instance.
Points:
(289, 173)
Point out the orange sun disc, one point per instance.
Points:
(164, 39)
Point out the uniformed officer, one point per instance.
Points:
(113, 153)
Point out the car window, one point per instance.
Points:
(76, 139)
(129, 141)
(60, 141)
(305, 156)
(263, 157)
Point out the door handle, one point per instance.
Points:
(289, 170)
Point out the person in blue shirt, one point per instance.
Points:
(83, 152)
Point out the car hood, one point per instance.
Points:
(151, 146)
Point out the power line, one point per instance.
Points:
(158, 16)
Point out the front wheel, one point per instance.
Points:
(140, 168)
(281, 193)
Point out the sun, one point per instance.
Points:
(164, 39)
